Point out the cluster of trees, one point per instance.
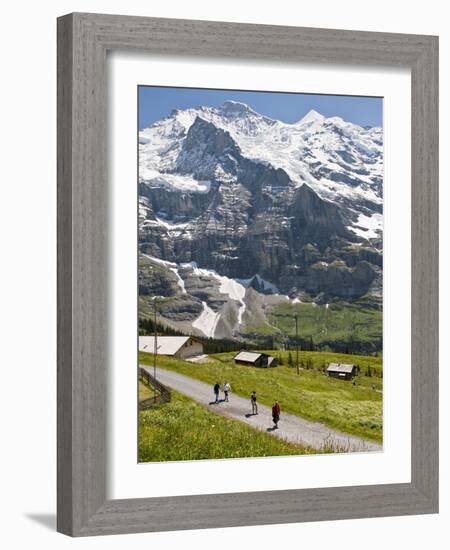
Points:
(302, 363)
(371, 371)
(348, 346)
(306, 344)
(210, 345)
(287, 342)
(147, 328)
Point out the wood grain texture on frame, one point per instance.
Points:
(83, 41)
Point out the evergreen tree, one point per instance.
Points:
(290, 362)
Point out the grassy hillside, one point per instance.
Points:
(312, 395)
(184, 430)
(342, 327)
(356, 326)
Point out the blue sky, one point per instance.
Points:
(157, 102)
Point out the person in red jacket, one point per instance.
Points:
(276, 410)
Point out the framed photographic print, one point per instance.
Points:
(247, 274)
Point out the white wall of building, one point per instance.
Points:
(190, 349)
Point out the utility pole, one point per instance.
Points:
(296, 343)
(155, 350)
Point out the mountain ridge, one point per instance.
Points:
(245, 197)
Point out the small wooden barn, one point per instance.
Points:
(255, 359)
(345, 371)
(181, 347)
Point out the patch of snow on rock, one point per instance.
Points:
(232, 288)
(368, 227)
(235, 291)
(207, 321)
(173, 181)
(172, 266)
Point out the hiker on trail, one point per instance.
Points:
(226, 390)
(276, 413)
(254, 404)
(216, 391)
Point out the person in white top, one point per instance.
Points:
(226, 390)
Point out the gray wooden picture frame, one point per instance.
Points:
(83, 42)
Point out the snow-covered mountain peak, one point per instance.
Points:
(311, 116)
(341, 161)
(232, 108)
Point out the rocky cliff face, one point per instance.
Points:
(229, 197)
